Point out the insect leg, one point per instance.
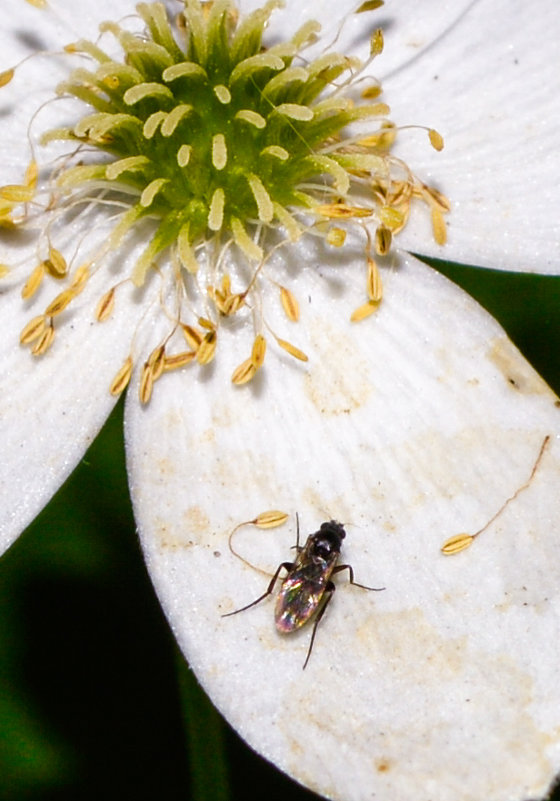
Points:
(338, 568)
(287, 566)
(329, 589)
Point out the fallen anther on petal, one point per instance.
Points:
(122, 378)
(457, 543)
(270, 519)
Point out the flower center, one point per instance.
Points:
(225, 147)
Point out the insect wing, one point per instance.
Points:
(303, 588)
(297, 600)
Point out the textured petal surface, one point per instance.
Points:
(52, 407)
(490, 86)
(409, 427)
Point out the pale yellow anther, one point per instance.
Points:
(364, 311)
(270, 519)
(369, 5)
(341, 211)
(17, 193)
(45, 341)
(336, 237)
(436, 139)
(289, 304)
(146, 384)
(438, 226)
(391, 217)
(192, 337)
(374, 283)
(80, 279)
(258, 351)
(219, 151)
(33, 282)
(376, 43)
(457, 543)
(178, 360)
(42, 4)
(383, 239)
(372, 92)
(156, 361)
(56, 263)
(243, 373)
(105, 306)
(6, 77)
(31, 175)
(59, 303)
(33, 330)
(292, 350)
(4, 270)
(207, 348)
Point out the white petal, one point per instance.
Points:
(409, 427)
(490, 87)
(52, 407)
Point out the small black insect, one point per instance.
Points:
(307, 588)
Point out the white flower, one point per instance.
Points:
(411, 426)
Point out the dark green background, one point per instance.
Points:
(95, 702)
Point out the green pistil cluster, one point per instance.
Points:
(216, 134)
